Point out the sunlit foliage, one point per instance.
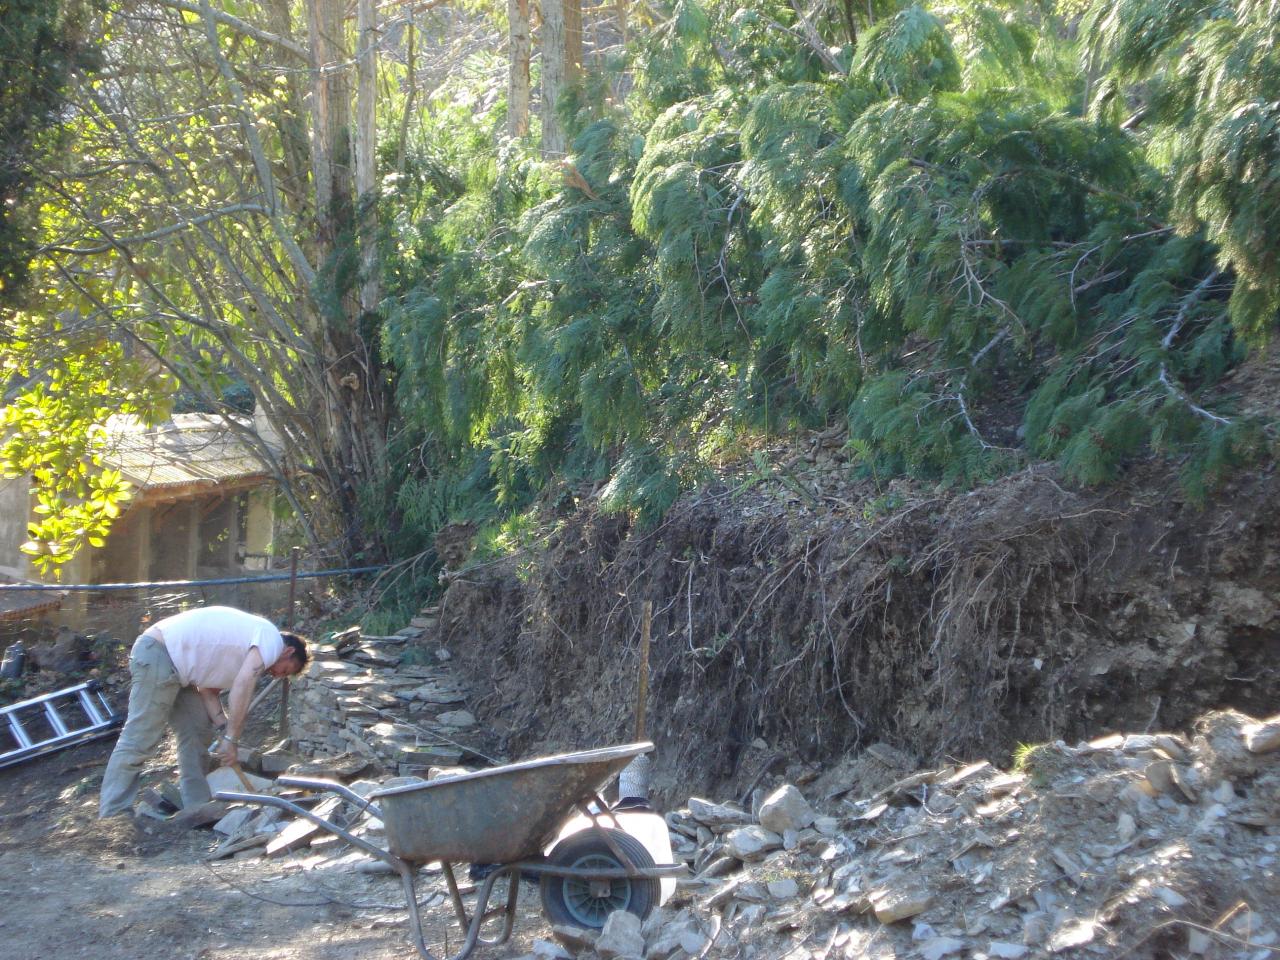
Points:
(932, 221)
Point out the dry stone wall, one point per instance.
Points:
(366, 701)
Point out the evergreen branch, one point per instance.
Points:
(1000, 335)
(958, 398)
(1088, 185)
(974, 281)
(813, 41)
(1097, 190)
(1184, 308)
(1180, 318)
(723, 265)
(1096, 281)
(1191, 405)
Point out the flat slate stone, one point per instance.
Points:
(299, 832)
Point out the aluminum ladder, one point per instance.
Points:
(60, 719)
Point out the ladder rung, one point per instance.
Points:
(19, 733)
(55, 719)
(90, 708)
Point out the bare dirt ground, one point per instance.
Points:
(74, 886)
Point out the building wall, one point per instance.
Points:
(15, 508)
(174, 540)
(126, 556)
(259, 526)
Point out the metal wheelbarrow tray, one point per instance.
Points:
(504, 816)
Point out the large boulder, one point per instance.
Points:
(786, 809)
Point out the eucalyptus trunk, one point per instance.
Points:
(561, 66)
(520, 48)
(367, 152)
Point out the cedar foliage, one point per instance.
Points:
(980, 233)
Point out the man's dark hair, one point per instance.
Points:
(297, 645)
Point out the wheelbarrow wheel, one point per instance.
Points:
(585, 903)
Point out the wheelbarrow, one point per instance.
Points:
(506, 816)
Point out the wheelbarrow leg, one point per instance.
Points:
(411, 898)
(459, 908)
(473, 923)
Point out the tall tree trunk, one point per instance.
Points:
(573, 40)
(411, 95)
(622, 6)
(553, 75)
(331, 118)
(353, 407)
(366, 152)
(518, 83)
(561, 64)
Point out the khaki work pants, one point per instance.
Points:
(157, 698)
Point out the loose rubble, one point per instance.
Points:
(1141, 846)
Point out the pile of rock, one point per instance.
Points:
(1142, 846)
(364, 700)
(251, 830)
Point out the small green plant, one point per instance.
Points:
(881, 505)
(387, 620)
(1021, 756)
(504, 537)
(1038, 761)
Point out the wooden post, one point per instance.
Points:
(642, 679)
(293, 584)
(284, 684)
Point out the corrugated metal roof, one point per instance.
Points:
(190, 448)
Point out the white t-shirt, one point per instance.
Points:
(208, 644)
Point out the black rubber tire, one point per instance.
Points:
(568, 900)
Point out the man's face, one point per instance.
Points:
(286, 666)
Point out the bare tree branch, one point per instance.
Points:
(158, 233)
(241, 26)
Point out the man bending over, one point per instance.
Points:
(179, 666)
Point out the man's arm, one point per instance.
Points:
(238, 701)
(212, 705)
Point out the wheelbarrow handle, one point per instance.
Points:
(400, 866)
(330, 786)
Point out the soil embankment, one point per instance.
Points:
(800, 615)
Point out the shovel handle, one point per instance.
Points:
(244, 781)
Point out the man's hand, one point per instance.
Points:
(228, 752)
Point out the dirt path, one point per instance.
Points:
(73, 886)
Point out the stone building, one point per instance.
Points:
(201, 508)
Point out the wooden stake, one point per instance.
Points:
(642, 680)
(284, 683)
